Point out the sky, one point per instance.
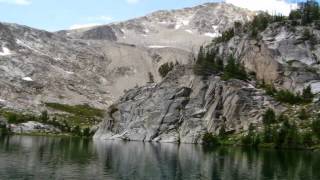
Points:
(53, 15)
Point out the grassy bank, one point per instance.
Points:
(71, 120)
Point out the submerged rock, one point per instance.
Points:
(183, 108)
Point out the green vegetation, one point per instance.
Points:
(307, 94)
(269, 117)
(4, 130)
(77, 120)
(78, 110)
(209, 63)
(316, 127)
(210, 140)
(287, 130)
(226, 36)
(307, 12)
(286, 96)
(303, 114)
(165, 69)
(234, 70)
(252, 138)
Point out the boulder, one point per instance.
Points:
(33, 127)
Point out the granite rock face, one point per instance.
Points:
(281, 54)
(183, 108)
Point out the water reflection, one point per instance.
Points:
(72, 158)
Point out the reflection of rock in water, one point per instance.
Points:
(132, 160)
(73, 158)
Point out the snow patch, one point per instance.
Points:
(189, 31)
(2, 100)
(178, 26)
(163, 22)
(5, 52)
(157, 47)
(69, 72)
(315, 87)
(185, 22)
(27, 79)
(215, 27)
(213, 35)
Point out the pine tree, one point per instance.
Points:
(269, 117)
(44, 116)
(151, 78)
(307, 94)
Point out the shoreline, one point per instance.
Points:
(315, 148)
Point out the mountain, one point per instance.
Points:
(256, 83)
(95, 66)
(184, 28)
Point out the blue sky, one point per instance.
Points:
(62, 14)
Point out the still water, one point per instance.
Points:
(45, 158)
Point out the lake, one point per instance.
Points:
(45, 158)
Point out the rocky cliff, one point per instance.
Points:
(183, 107)
(283, 54)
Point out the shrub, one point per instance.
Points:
(234, 70)
(44, 117)
(270, 89)
(269, 117)
(307, 35)
(307, 139)
(269, 134)
(288, 97)
(210, 139)
(316, 127)
(87, 132)
(251, 139)
(77, 131)
(165, 69)
(303, 114)
(288, 135)
(225, 37)
(307, 94)
(208, 63)
(4, 130)
(282, 118)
